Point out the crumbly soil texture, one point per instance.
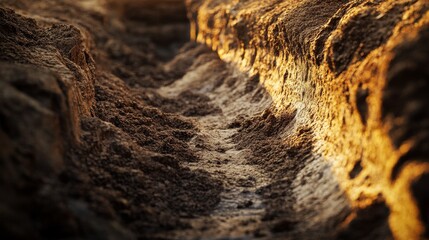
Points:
(114, 125)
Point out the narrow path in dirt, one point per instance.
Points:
(241, 209)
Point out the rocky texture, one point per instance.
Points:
(355, 73)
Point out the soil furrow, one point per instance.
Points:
(241, 208)
(214, 119)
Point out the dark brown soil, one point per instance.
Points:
(116, 171)
(115, 125)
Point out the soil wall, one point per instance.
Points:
(355, 73)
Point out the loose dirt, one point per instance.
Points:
(241, 208)
(114, 125)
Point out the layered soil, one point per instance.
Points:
(115, 125)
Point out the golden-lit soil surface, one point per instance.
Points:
(356, 74)
(305, 119)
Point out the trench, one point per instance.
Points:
(264, 162)
(117, 125)
(265, 167)
(238, 170)
(240, 209)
